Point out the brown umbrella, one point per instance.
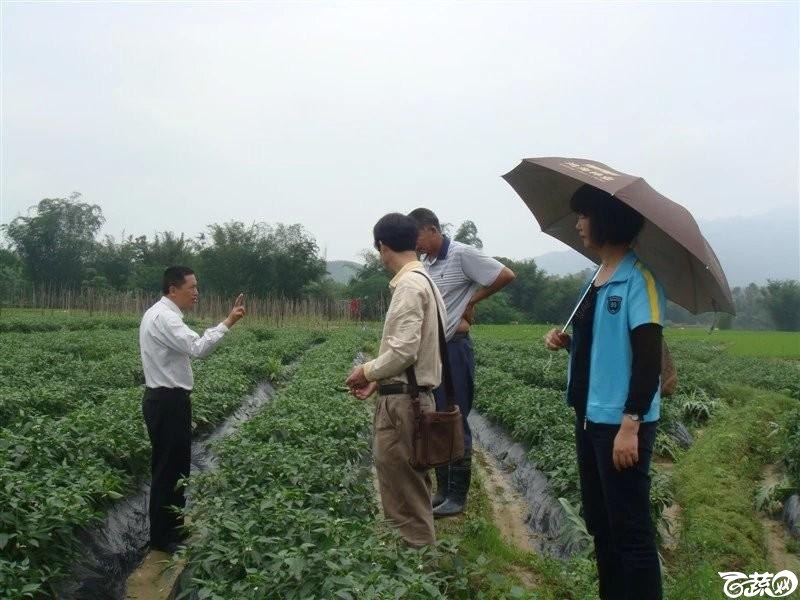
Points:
(670, 242)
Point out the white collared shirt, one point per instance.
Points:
(166, 343)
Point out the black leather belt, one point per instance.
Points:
(399, 388)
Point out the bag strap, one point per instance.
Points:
(447, 378)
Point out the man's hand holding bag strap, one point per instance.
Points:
(438, 436)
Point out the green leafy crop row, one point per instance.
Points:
(72, 436)
(291, 511)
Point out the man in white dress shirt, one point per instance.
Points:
(166, 344)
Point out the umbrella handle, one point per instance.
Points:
(574, 310)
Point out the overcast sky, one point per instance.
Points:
(172, 116)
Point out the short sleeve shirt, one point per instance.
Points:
(459, 270)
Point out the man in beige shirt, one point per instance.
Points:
(410, 339)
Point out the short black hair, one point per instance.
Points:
(397, 231)
(611, 221)
(425, 218)
(174, 275)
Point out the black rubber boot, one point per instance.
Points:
(460, 477)
(442, 485)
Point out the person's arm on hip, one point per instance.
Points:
(505, 277)
(486, 271)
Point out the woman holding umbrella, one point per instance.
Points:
(613, 385)
(649, 248)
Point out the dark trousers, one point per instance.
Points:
(168, 416)
(616, 506)
(462, 367)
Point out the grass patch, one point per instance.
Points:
(715, 483)
(764, 344)
(510, 333)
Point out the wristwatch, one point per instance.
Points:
(632, 416)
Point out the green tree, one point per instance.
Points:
(468, 234)
(115, 262)
(751, 308)
(725, 321)
(12, 280)
(231, 261)
(260, 259)
(166, 249)
(534, 295)
(94, 280)
(56, 243)
(326, 289)
(782, 299)
(559, 297)
(371, 286)
(9, 258)
(526, 292)
(292, 257)
(497, 309)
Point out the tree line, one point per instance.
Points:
(57, 245)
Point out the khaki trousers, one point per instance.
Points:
(405, 492)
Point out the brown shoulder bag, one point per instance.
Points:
(438, 436)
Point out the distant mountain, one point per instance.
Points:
(342, 271)
(562, 263)
(751, 249)
(754, 249)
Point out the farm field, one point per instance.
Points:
(764, 344)
(291, 511)
(71, 433)
(727, 447)
(767, 344)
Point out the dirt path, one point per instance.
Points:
(544, 514)
(153, 580)
(376, 487)
(509, 511)
(510, 514)
(672, 514)
(776, 537)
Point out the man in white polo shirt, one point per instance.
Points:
(464, 276)
(166, 345)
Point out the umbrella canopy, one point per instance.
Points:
(670, 242)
